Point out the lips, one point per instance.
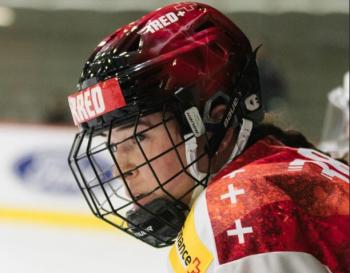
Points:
(143, 199)
(138, 193)
(141, 195)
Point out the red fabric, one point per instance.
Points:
(287, 209)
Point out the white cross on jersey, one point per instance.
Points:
(232, 193)
(239, 231)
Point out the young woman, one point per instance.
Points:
(173, 150)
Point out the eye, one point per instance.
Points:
(113, 148)
(140, 137)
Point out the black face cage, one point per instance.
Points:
(105, 184)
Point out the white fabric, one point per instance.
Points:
(204, 230)
(275, 262)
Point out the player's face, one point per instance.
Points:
(165, 163)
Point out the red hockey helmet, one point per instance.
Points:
(183, 58)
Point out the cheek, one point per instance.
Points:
(170, 170)
(168, 164)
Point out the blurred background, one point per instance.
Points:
(45, 225)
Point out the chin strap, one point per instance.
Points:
(242, 139)
(191, 157)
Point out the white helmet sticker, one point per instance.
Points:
(195, 121)
(252, 102)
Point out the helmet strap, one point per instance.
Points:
(242, 139)
(191, 157)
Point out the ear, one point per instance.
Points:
(217, 114)
(227, 141)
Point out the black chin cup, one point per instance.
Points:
(157, 223)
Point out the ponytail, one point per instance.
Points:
(290, 138)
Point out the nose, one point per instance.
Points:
(128, 172)
(127, 159)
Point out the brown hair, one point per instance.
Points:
(290, 138)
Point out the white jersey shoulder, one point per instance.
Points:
(195, 251)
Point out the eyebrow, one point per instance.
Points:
(131, 124)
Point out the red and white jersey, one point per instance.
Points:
(274, 209)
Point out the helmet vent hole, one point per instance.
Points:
(204, 26)
(135, 44)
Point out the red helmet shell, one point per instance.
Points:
(179, 45)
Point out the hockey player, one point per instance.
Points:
(173, 150)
